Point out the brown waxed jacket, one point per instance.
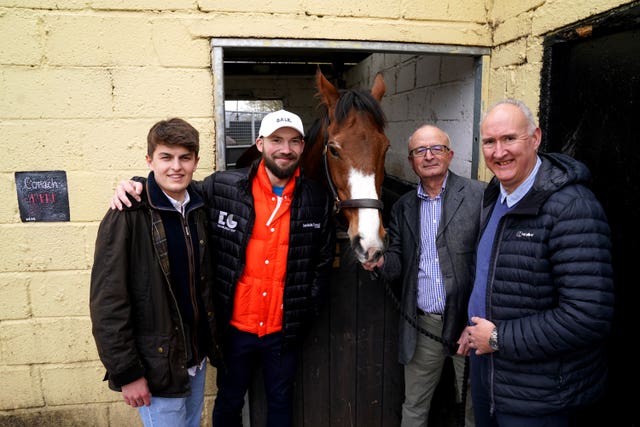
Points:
(136, 320)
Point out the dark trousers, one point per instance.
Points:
(243, 354)
(481, 397)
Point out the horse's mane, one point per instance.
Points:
(361, 101)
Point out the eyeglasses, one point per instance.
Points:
(436, 150)
(506, 140)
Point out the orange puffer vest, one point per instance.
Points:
(258, 301)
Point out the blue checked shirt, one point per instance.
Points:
(431, 293)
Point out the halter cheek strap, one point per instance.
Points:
(349, 203)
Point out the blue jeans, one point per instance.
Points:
(243, 354)
(480, 394)
(177, 411)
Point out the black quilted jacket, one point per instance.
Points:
(136, 320)
(230, 209)
(550, 293)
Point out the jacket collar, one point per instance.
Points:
(556, 171)
(158, 200)
(266, 186)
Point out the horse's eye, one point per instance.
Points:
(334, 152)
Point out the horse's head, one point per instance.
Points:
(355, 147)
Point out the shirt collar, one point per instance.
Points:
(425, 196)
(179, 206)
(522, 189)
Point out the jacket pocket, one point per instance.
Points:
(155, 351)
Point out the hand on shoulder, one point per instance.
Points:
(120, 198)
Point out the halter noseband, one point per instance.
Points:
(349, 203)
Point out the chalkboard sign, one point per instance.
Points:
(43, 196)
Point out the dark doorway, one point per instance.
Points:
(589, 109)
(348, 373)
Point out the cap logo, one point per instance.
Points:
(278, 119)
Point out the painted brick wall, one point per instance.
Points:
(81, 82)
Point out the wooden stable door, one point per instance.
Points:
(348, 374)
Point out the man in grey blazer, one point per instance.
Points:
(432, 236)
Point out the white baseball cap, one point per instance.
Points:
(280, 119)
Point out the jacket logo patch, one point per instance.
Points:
(226, 221)
(524, 235)
(311, 225)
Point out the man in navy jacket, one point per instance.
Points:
(542, 302)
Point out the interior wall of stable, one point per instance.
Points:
(423, 89)
(420, 89)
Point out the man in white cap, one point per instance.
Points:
(266, 290)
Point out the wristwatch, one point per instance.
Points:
(493, 339)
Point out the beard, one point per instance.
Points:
(281, 173)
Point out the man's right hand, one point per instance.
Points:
(120, 199)
(137, 393)
(464, 347)
(369, 265)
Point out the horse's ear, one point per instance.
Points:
(379, 88)
(326, 91)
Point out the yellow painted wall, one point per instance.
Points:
(81, 82)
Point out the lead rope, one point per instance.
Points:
(460, 416)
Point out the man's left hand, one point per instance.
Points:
(478, 335)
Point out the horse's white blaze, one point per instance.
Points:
(364, 187)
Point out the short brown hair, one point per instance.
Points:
(173, 132)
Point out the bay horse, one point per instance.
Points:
(346, 148)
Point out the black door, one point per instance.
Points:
(590, 109)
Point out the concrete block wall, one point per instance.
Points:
(421, 89)
(81, 82)
(79, 89)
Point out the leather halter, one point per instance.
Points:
(349, 203)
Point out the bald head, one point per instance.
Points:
(430, 156)
(510, 141)
(428, 135)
